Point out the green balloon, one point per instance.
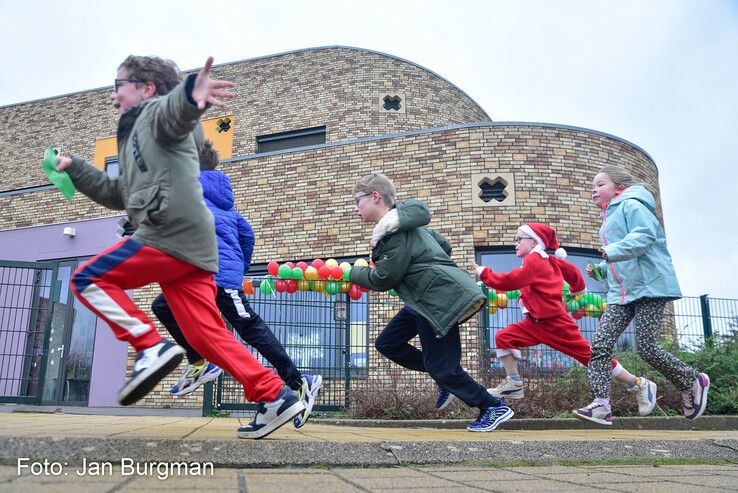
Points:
(492, 294)
(347, 274)
(572, 306)
(266, 286)
(332, 287)
(296, 273)
(513, 295)
(284, 271)
(392, 292)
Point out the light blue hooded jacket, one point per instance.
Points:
(639, 265)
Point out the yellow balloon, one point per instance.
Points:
(501, 300)
(361, 263)
(493, 310)
(344, 266)
(345, 287)
(311, 274)
(331, 262)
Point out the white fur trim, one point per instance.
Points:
(505, 352)
(560, 253)
(387, 225)
(480, 269)
(539, 250)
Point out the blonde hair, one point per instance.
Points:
(377, 182)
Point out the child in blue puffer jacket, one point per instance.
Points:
(641, 280)
(235, 247)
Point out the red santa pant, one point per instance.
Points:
(100, 285)
(559, 333)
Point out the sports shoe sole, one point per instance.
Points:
(209, 377)
(703, 399)
(317, 384)
(509, 414)
(136, 389)
(508, 394)
(281, 420)
(592, 419)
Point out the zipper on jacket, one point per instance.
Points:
(612, 267)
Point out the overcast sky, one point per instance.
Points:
(662, 74)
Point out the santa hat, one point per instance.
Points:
(545, 236)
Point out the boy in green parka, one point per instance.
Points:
(414, 260)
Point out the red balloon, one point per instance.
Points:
(302, 265)
(292, 266)
(337, 273)
(372, 264)
(577, 314)
(273, 268)
(317, 263)
(280, 285)
(291, 286)
(324, 271)
(354, 292)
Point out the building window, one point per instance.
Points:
(290, 140)
(392, 103)
(111, 166)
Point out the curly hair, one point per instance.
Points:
(164, 74)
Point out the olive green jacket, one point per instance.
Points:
(158, 186)
(414, 260)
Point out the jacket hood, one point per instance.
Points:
(216, 187)
(637, 192)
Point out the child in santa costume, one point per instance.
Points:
(540, 280)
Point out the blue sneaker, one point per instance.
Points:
(491, 418)
(307, 394)
(194, 376)
(444, 398)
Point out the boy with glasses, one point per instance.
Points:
(414, 260)
(540, 280)
(174, 241)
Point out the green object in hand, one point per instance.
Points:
(59, 178)
(596, 272)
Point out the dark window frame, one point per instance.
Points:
(290, 140)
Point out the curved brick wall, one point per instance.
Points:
(337, 87)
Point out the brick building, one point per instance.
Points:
(302, 128)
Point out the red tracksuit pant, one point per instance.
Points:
(100, 284)
(559, 333)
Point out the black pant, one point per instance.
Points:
(250, 326)
(440, 357)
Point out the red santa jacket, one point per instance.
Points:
(540, 280)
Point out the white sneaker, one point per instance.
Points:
(645, 395)
(151, 366)
(194, 376)
(508, 389)
(595, 412)
(272, 415)
(307, 394)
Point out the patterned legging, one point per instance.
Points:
(648, 313)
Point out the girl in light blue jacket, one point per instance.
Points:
(641, 280)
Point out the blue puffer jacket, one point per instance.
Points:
(235, 236)
(639, 265)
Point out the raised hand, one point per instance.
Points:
(210, 91)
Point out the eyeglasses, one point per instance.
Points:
(119, 82)
(519, 239)
(358, 198)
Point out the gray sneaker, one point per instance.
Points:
(272, 415)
